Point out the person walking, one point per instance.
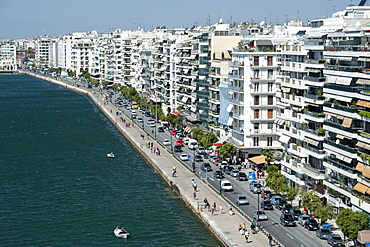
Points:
(240, 229)
(246, 236)
(174, 171)
(195, 195)
(221, 208)
(270, 239)
(194, 184)
(244, 228)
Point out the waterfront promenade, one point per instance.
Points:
(223, 225)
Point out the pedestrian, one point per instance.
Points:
(244, 228)
(240, 229)
(174, 171)
(231, 212)
(194, 184)
(205, 201)
(299, 201)
(270, 240)
(195, 195)
(214, 206)
(246, 236)
(221, 208)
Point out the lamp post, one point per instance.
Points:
(169, 131)
(258, 202)
(156, 115)
(220, 186)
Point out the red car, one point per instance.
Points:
(173, 132)
(180, 143)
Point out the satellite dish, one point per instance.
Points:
(220, 21)
(262, 23)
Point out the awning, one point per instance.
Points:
(188, 129)
(339, 80)
(193, 56)
(340, 136)
(363, 237)
(347, 122)
(338, 97)
(230, 121)
(310, 141)
(284, 139)
(184, 99)
(296, 109)
(263, 42)
(347, 160)
(360, 167)
(363, 145)
(366, 172)
(361, 188)
(229, 108)
(363, 103)
(285, 89)
(258, 159)
(363, 82)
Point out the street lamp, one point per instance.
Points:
(169, 131)
(258, 202)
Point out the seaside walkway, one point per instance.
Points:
(223, 225)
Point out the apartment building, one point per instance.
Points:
(8, 57)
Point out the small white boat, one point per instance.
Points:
(111, 155)
(120, 232)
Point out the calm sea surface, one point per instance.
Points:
(59, 189)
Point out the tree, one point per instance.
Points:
(291, 193)
(272, 168)
(208, 140)
(227, 150)
(172, 119)
(324, 213)
(351, 222)
(311, 201)
(277, 182)
(198, 133)
(269, 155)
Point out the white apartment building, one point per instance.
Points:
(8, 57)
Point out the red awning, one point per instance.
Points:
(218, 144)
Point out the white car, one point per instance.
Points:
(259, 215)
(166, 142)
(226, 185)
(184, 157)
(152, 125)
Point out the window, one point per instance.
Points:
(270, 74)
(270, 113)
(269, 61)
(256, 61)
(269, 87)
(256, 126)
(269, 141)
(270, 126)
(256, 87)
(256, 114)
(256, 74)
(256, 100)
(256, 141)
(270, 100)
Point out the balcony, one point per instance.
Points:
(311, 131)
(341, 146)
(313, 96)
(341, 88)
(314, 114)
(339, 165)
(315, 79)
(343, 108)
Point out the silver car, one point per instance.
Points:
(302, 218)
(241, 200)
(260, 215)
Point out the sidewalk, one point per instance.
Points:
(223, 225)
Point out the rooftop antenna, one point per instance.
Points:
(209, 20)
(298, 15)
(270, 17)
(231, 19)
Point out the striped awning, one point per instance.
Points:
(258, 159)
(366, 172)
(360, 167)
(363, 103)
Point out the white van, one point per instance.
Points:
(226, 185)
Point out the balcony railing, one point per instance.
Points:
(343, 108)
(314, 150)
(339, 165)
(341, 146)
(314, 114)
(311, 131)
(339, 126)
(316, 79)
(341, 88)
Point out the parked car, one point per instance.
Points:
(275, 198)
(198, 158)
(241, 200)
(228, 169)
(234, 173)
(226, 185)
(140, 120)
(214, 159)
(218, 174)
(279, 204)
(160, 129)
(266, 204)
(166, 142)
(206, 167)
(323, 233)
(184, 157)
(335, 240)
(200, 150)
(173, 132)
(302, 218)
(152, 125)
(260, 215)
(287, 220)
(265, 194)
(180, 143)
(311, 224)
(285, 208)
(178, 148)
(242, 176)
(255, 187)
(295, 212)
